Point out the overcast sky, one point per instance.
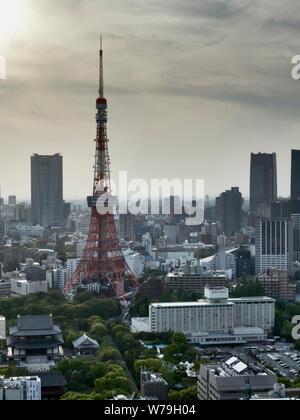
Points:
(193, 86)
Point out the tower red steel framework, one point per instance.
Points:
(102, 259)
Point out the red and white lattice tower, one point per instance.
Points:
(102, 260)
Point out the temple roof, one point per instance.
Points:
(34, 326)
(85, 342)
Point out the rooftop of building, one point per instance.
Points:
(234, 368)
(150, 377)
(85, 341)
(229, 251)
(34, 326)
(254, 298)
(211, 294)
(203, 274)
(26, 378)
(52, 379)
(201, 302)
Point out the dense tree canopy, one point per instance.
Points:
(250, 288)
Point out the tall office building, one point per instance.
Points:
(47, 190)
(263, 184)
(127, 227)
(281, 208)
(229, 211)
(296, 236)
(295, 182)
(12, 200)
(274, 244)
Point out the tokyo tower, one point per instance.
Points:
(102, 260)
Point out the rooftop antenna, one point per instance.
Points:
(101, 78)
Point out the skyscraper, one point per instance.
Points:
(281, 208)
(274, 244)
(263, 183)
(12, 200)
(229, 211)
(47, 190)
(295, 182)
(296, 236)
(127, 227)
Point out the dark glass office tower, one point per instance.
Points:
(281, 208)
(47, 190)
(263, 183)
(295, 182)
(229, 211)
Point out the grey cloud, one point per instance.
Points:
(220, 9)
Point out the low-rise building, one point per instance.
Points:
(85, 346)
(224, 261)
(277, 285)
(153, 288)
(153, 386)
(233, 380)
(20, 286)
(21, 388)
(5, 289)
(54, 386)
(177, 280)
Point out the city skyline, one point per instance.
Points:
(163, 64)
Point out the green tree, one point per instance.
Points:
(297, 344)
(286, 329)
(153, 365)
(108, 354)
(98, 330)
(189, 394)
(114, 379)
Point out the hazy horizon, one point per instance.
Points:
(193, 88)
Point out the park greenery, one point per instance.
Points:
(71, 317)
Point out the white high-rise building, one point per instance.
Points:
(60, 278)
(147, 242)
(135, 261)
(57, 277)
(71, 267)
